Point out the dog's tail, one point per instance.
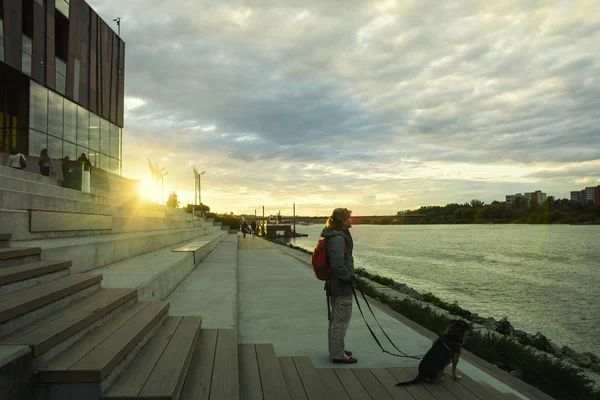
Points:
(416, 380)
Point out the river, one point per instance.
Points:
(542, 277)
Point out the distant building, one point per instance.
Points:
(589, 194)
(530, 197)
(511, 198)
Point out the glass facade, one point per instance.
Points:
(61, 76)
(63, 7)
(1, 40)
(26, 55)
(67, 129)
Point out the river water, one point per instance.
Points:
(543, 277)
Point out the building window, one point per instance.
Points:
(55, 147)
(94, 132)
(105, 137)
(103, 162)
(69, 149)
(114, 166)
(55, 114)
(70, 122)
(1, 40)
(38, 107)
(114, 141)
(76, 71)
(63, 7)
(81, 149)
(26, 55)
(83, 127)
(61, 76)
(40, 2)
(37, 142)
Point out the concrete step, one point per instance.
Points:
(214, 367)
(30, 274)
(260, 373)
(90, 252)
(156, 274)
(11, 256)
(92, 365)
(160, 369)
(5, 240)
(53, 334)
(23, 307)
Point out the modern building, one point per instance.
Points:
(589, 194)
(61, 82)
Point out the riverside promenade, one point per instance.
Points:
(268, 293)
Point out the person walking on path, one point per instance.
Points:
(45, 163)
(245, 228)
(253, 227)
(340, 287)
(16, 160)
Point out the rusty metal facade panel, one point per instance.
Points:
(39, 43)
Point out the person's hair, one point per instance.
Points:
(44, 155)
(337, 218)
(13, 151)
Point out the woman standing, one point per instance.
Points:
(340, 287)
(45, 163)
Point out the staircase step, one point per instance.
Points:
(214, 370)
(47, 333)
(10, 256)
(24, 301)
(292, 379)
(97, 354)
(5, 240)
(310, 379)
(159, 371)
(32, 270)
(274, 386)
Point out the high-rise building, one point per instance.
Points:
(61, 81)
(589, 194)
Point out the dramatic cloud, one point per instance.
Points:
(377, 106)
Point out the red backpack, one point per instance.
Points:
(319, 262)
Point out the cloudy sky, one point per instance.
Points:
(376, 106)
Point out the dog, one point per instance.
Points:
(445, 350)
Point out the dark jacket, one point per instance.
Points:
(342, 263)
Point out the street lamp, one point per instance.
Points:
(200, 186)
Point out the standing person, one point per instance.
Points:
(244, 228)
(45, 163)
(86, 178)
(253, 227)
(340, 287)
(16, 160)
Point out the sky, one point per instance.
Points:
(377, 106)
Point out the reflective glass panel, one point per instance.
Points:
(37, 142)
(76, 80)
(26, 63)
(94, 132)
(114, 166)
(38, 108)
(55, 147)
(114, 141)
(83, 127)
(104, 162)
(55, 114)
(105, 137)
(27, 45)
(69, 149)
(70, 121)
(92, 156)
(63, 7)
(61, 84)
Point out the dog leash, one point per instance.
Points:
(402, 354)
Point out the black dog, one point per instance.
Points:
(445, 350)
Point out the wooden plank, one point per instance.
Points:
(96, 365)
(417, 391)
(77, 351)
(351, 384)
(169, 373)
(389, 383)
(250, 386)
(15, 252)
(199, 377)
(292, 379)
(371, 384)
(480, 389)
(59, 329)
(310, 379)
(18, 303)
(131, 382)
(436, 389)
(225, 382)
(273, 384)
(31, 270)
(332, 384)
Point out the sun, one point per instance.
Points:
(148, 189)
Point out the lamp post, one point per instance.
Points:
(200, 186)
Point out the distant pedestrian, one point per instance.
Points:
(45, 163)
(86, 177)
(16, 160)
(244, 228)
(341, 286)
(253, 227)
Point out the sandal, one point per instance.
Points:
(348, 353)
(346, 360)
